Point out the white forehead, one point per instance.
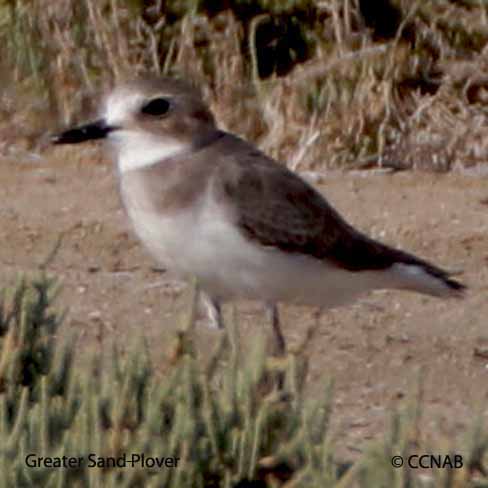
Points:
(121, 104)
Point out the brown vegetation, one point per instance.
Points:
(322, 84)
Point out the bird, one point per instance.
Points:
(211, 206)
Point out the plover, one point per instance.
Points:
(208, 204)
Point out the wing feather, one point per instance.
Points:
(275, 207)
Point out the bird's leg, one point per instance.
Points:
(213, 310)
(313, 328)
(278, 348)
(274, 317)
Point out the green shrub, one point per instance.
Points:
(223, 418)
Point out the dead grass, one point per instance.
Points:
(415, 100)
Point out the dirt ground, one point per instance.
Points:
(373, 349)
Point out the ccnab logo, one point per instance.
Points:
(430, 461)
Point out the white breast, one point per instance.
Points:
(202, 241)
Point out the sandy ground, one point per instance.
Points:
(374, 349)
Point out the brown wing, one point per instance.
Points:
(277, 208)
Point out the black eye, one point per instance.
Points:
(156, 106)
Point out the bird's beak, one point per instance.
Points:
(98, 129)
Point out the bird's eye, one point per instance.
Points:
(156, 107)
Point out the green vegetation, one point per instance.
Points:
(222, 419)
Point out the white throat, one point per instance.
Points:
(138, 149)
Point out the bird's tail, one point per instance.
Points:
(422, 277)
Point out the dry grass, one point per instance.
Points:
(417, 99)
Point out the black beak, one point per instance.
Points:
(88, 132)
